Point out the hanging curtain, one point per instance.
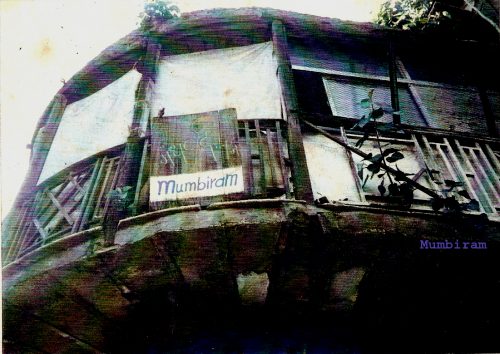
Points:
(243, 78)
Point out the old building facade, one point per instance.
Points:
(255, 180)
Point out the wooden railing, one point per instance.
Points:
(264, 155)
(474, 164)
(433, 162)
(77, 198)
(71, 201)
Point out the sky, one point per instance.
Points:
(44, 42)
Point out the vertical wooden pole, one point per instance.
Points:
(130, 160)
(248, 152)
(354, 171)
(132, 156)
(300, 173)
(284, 170)
(262, 163)
(87, 203)
(393, 76)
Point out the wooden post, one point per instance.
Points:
(130, 161)
(132, 155)
(300, 173)
(393, 76)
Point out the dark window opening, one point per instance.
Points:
(311, 93)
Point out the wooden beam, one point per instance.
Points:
(16, 232)
(130, 161)
(284, 169)
(260, 143)
(79, 224)
(40, 229)
(113, 185)
(485, 180)
(458, 173)
(74, 180)
(132, 155)
(139, 178)
(109, 168)
(421, 157)
(59, 206)
(492, 156)
(248, 152)
(495, 177)
(300, 173)
(25, 235)
(415, 94)
(486, 199)
(270, 153)
(41, 144)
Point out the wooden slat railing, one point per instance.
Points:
(263, 151)
(73, 200)
(263, 155)
(473, 163)
(78, 197)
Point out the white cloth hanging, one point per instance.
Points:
(243, 78)
(93, 124)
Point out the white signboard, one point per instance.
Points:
(194, 185)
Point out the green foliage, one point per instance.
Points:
(157, 10)
(411, 15)
(398, 187)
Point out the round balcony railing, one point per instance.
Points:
(78, 198)
(70, 201)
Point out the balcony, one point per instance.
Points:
(78, 198)
(433, 160)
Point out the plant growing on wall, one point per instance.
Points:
(394, 182)
(376, 165)
(157, 10)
